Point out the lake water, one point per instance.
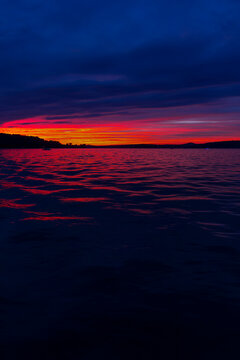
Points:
(120, 254)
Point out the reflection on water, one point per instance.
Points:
(119, 254)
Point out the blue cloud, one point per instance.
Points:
(90, 57)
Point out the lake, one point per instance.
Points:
(120, 254)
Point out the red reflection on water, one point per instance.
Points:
(13, 205)
(131, 180)
(182, 198)
(54, 218)
(141, 211)
(84, 199)
(36, 191)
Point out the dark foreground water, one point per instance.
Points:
(120, 254)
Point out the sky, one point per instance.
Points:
(120, 72)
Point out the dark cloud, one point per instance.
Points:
(89, 58)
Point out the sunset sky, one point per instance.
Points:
(118, 72)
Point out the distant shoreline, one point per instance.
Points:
(14, 141)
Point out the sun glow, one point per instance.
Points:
(173, 130)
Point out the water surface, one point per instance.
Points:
(120, 253)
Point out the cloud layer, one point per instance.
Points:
(88, 63)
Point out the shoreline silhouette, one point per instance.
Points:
(15, 141)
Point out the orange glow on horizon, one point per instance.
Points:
(111, 136)
(146, 131)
